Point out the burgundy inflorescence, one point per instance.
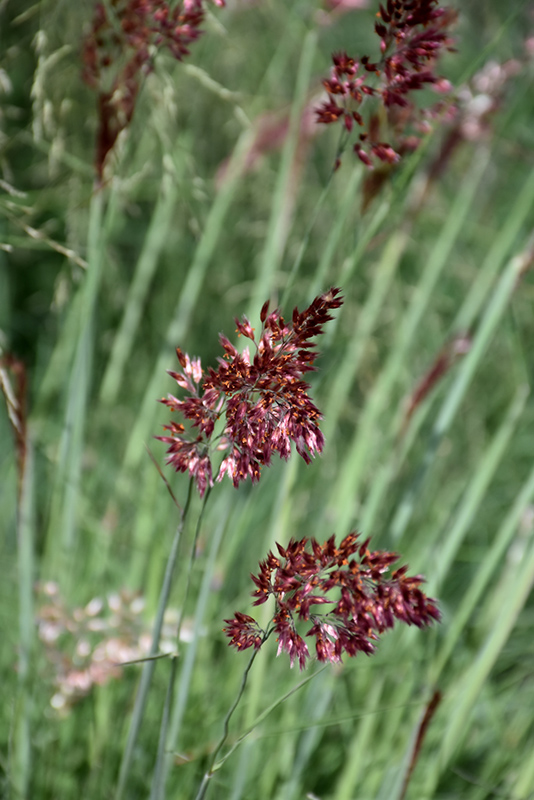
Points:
(260, 398)
(363, 599)
(119, 49)
(412, 33)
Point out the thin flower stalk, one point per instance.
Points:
(343, 593)
(148, 669)
(255, 404)
(159, 776)
(226, 725)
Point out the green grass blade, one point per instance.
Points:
(182, 694)
(488, 325)
(346, 496)
(314, 709)
(282, 198)
(496, 308)
(265, 713)
(21, 755)
(499, 250)
(355, 760)
(484, 575)
(321, 281)
(66, 489)
(183, 313)
(513, 598)
(148, 669)
(490, 459)
(144, 272)
(367, 319)
(524, 785)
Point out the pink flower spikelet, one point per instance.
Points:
(413, 34)
(363, 600)
(260, 398)
(87, 646)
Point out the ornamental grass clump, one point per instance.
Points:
(136, 240)
(254, 405)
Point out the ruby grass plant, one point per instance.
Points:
(420, 388)
(251, 407)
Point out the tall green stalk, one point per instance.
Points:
(148, 668)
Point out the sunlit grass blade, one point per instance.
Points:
(281, 207)
(356, 756)
(513, 596)
(363, 442)
(483, 473)
(65, 495)
(137, 291)
(501, 247)
(395, 782)
(367, 319)
(496, 307)
(325, 268)
(484, 575)
(487, 328)
(313, 708)
(469, 309)
(524, 784)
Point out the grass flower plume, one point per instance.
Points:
(259, 397)
(413, 34)
(353, 581)
(119, 50)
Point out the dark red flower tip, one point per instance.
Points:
(413, 34)
(259, 396)
(344, 591)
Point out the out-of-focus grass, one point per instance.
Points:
(167, 256)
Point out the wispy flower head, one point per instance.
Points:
(413, 34)
(260, 398)
(86, 646)
(346, 592)
(119, 50)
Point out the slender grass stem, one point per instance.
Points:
(139, 287)
(158, 781)
(25, 538)
(226, 724)
(283, 200)
(148, 669)
(189, 660)
(157, 787)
